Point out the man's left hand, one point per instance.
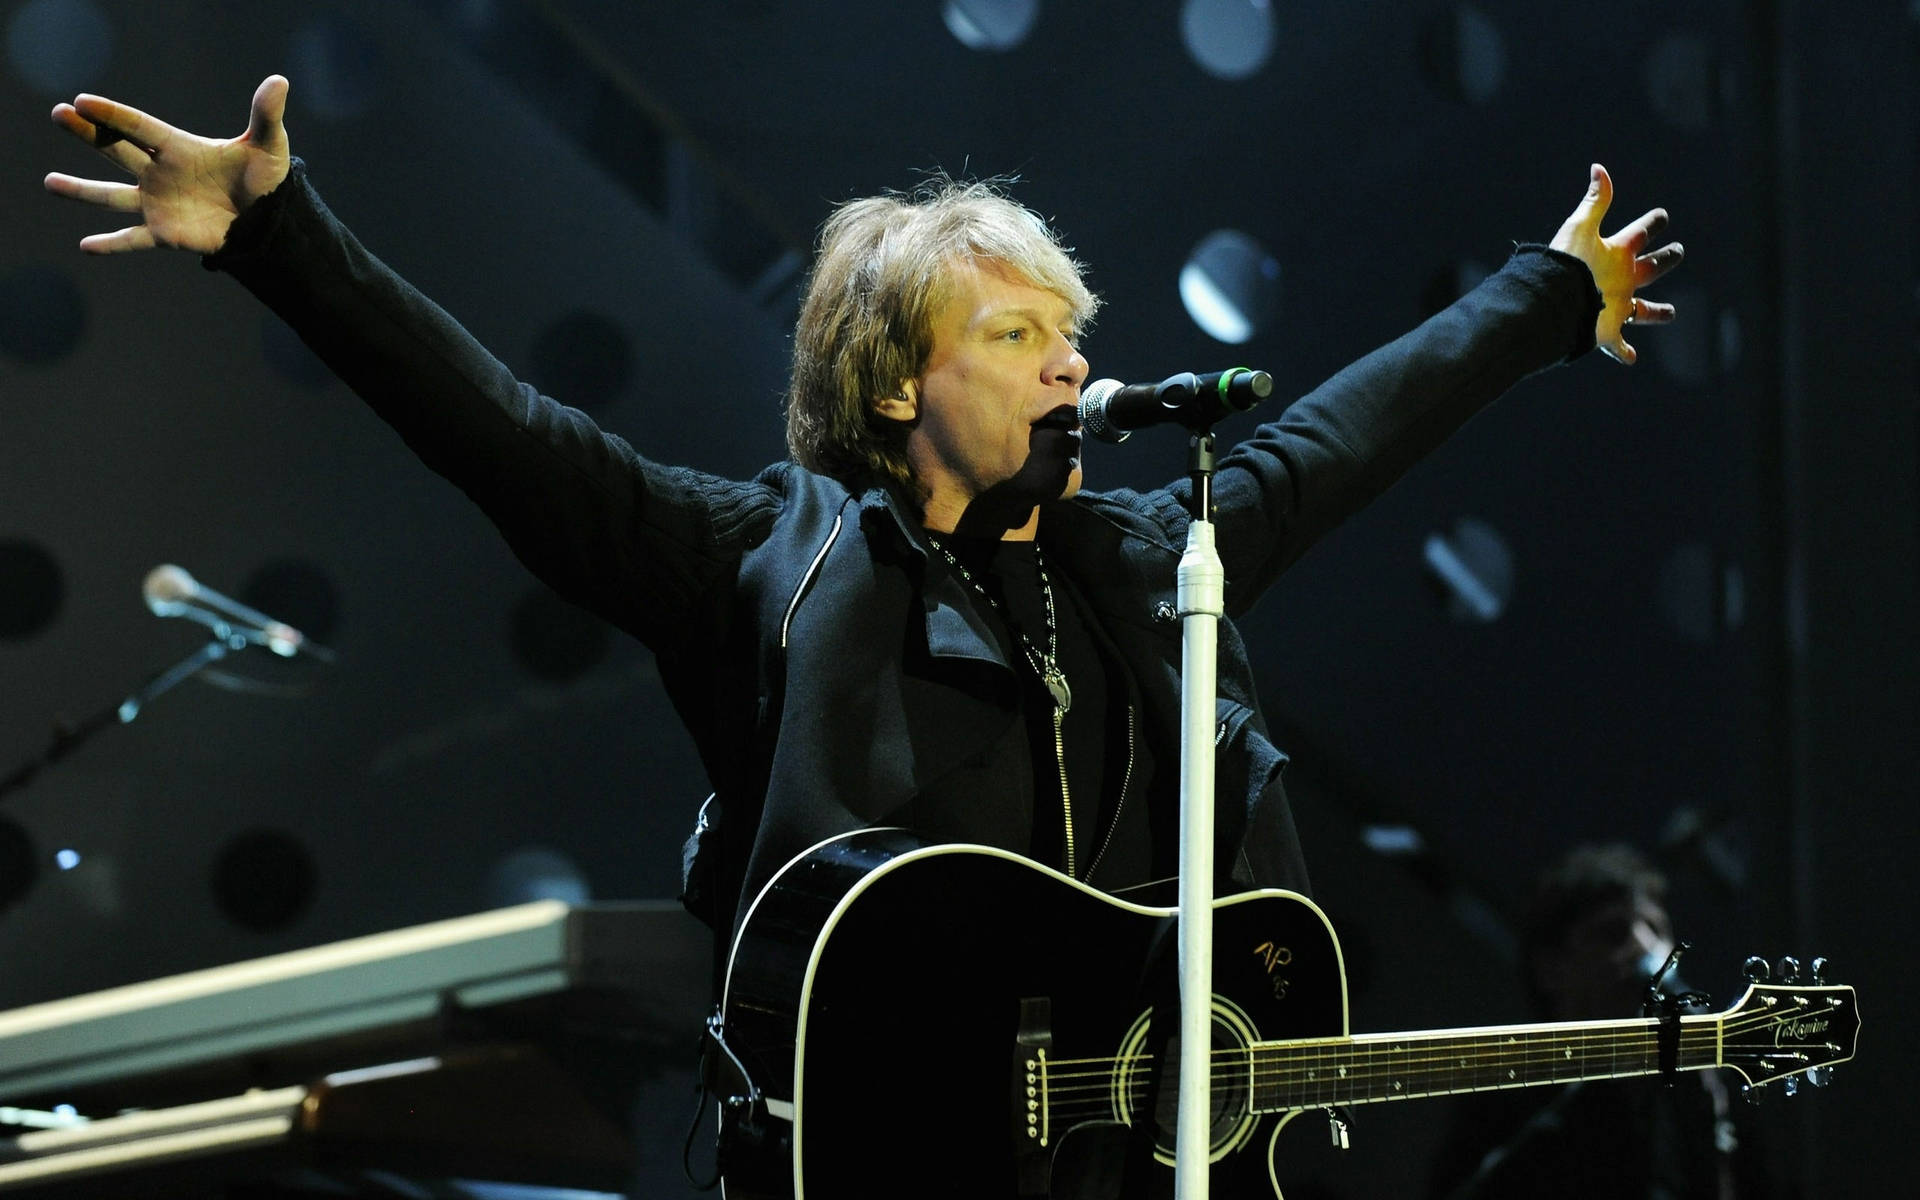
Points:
(1621, 264)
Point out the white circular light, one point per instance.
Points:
(990, 25)
(1230, 285)
(59, 46)
(1230, 39)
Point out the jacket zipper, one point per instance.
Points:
(1066, 797)
(1120, 805)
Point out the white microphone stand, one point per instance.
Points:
(1201, 589)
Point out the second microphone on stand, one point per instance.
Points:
(171, 592)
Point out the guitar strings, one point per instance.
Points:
(1631, 1029)
(1270, 1056)
(1079, 1105)
(1413, 1071)
(1362, 1065)
(1285, 1077)
(1275, 1069)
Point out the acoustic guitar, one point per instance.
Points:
(953, 1020)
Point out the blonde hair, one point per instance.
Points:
(883, 269)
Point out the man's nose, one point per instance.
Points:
(1072, 368)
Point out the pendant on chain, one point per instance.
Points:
(1056, 681)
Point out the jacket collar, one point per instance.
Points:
(1076, 535)
(956, 626)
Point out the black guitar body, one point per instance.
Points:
(887, 998)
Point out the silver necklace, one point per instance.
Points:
(1046, 665)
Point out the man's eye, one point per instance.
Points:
(1015, 335)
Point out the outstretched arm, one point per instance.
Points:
(186, 189)
(1332, 451)
(646, 546)
(1621, 264)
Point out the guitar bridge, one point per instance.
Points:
(1031, 1103)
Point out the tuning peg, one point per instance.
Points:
(1820, 1076)
(1753, 1095)
(1789, 970)
(1819, 969)
(1756, 969)
(1790, 1085)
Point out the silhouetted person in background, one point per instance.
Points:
(1595, 933)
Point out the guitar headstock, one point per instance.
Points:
(1790, 1029)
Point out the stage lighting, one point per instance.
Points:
(59, 47)
(1230, 285)
(1230, 39)
(990, 25)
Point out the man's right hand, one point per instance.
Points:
(187, 189)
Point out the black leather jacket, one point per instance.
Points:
(830, 679)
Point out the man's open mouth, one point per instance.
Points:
(1066, 418)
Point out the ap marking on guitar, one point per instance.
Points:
(1029, 1057)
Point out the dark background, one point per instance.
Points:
(1705, 642)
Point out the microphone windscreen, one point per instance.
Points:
(1093, 410)
(168, 584)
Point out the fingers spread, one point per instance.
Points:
(1636, 234)
(114, 148)
(65, 116)
(134, 237)
(148, 133)
(1650, 267)
(120, 197)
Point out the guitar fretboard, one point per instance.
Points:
(1379, 1067)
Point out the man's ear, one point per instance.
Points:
(903, 405)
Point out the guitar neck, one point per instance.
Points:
(1379, 1067)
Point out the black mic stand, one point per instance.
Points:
(67, 739)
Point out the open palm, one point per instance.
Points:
(1621, 264)
(187, 189)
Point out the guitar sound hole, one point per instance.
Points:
(1231, 1092)
(1230, 1120)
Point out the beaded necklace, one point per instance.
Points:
(1046, 665)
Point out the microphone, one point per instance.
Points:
(1110, 410)
(171, 592)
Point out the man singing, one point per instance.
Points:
(921, 619)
